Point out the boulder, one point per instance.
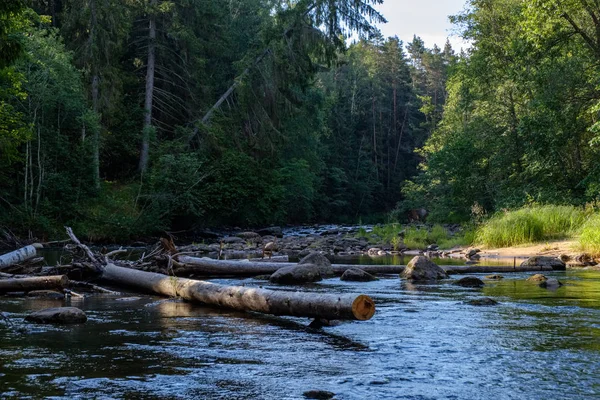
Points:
(543, 261)
(357, 275)
(58, 315)
(296, 274)
(433, 247)
(472, 252)
(320, 261)
(470, 281)
(551, 284)
(494, 277)
(423, 269)
(232, 239)
(485, 301)
(271, 231)
(247, 235)
(46, 294)
(537, 278)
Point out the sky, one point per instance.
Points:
(425, 18)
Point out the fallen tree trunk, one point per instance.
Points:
(469, 269)
(212, 267)
(18, 256)
(34, 283)
(297, 304)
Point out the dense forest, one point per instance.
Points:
(124, 118)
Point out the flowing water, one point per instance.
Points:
(424, 342)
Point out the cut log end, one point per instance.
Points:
(363, 308)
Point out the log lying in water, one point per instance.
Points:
(18, 256)
(297, 304)
(212, 267)
(470, 269)
(34, 283)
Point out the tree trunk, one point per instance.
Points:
(212, 267)
(144, 154)
(297, 304)
(34, 283)
(95, 82)
(18, 256)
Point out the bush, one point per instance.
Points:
(531, 224)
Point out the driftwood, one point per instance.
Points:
(298, 304)
(18, 256)
(211, 267)
(34, 283)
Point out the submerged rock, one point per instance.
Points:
(318, 394)
(423, 269)
(357, 275)
(551, 284)
(46, 294)
(296, 274)
(58, 315)
(543, 261)
(320, 261)
(537, 278)
(470, 281)
(494, 277)
(485, 301)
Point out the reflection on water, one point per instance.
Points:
(424, 342)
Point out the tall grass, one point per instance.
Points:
(530, 225)
(589, 240)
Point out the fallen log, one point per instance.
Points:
(297, 304)
(470, 269)
(34, 283)
(18, 256)
(211, 267)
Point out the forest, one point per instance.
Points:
(124, 118)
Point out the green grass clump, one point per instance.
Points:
(530, 225)
(589, 240)
(415, 238)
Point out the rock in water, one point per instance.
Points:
(357, 275)
(58, 315)
(537, 278)
(551, 284)
(470, 281)
(423, 269)
(296, 274)
(543, 261)
(46, 294)
(318, 394)
(486, 301)
(494, 277)
(320, 261)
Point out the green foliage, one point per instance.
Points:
(589, 240)
(530, 225)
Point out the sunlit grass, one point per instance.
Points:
(589, 240)
(530, 225)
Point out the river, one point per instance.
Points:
(424, 342)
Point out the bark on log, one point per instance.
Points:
(18, 256)
(469, 269)
(34, 283)
(212, 267)
(298, 304)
